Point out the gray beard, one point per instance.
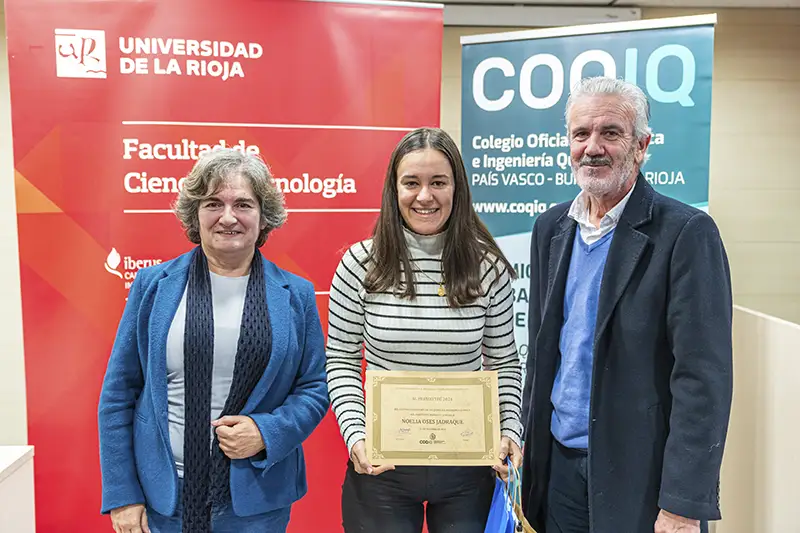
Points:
(600, 187)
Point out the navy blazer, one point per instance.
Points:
(288, 402)
(662, 378)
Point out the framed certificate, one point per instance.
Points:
(432, 418)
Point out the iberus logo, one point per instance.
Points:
(80, 53)
(126, 268)
(112, 262)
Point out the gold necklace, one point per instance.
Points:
(441, 291)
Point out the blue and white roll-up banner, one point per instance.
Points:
(513, 135)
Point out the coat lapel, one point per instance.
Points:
(168, 296)
(557, 269)
(627, 248)
(281, 325)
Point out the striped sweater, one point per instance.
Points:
(423, 334)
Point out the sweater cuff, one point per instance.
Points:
(513, 430)
(360, 434)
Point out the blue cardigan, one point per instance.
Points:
(289, 401)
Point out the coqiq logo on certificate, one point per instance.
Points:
(80, 53)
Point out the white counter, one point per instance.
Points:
(16, 490)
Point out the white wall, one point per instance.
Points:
(17, 495)
(754, 184)
(759, 490)
(13, 429)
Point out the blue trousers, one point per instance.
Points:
(222, 520)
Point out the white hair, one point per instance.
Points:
(631, 93)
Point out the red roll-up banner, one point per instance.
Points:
(112, 101)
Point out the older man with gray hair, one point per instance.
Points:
(629, 380)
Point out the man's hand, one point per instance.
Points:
(671, 523)
(239, 437)
(508, 448)
(129, 519)
(362, 465)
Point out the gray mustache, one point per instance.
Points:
(595, 161)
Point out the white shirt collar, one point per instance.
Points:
(579, 209)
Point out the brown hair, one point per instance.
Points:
(467, 241)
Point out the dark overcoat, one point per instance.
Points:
(662, 375)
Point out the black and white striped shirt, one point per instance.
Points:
(423, 334)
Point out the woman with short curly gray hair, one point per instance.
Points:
(211, 171)
(217, 373)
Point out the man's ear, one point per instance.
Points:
(642, 148)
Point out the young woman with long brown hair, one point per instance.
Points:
(430, 291)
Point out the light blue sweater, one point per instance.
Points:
(572, 388)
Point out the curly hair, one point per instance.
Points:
(211, 171)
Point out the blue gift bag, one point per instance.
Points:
(501, 514)
(505, 514)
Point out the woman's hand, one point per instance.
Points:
(359, 457)
(130, 519)
(510, 449)
(239, 437)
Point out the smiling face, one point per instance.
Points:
(605, 153)
(230, 219)
(425, 189)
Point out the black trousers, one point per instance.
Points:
(568, 492)
(458, 500)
